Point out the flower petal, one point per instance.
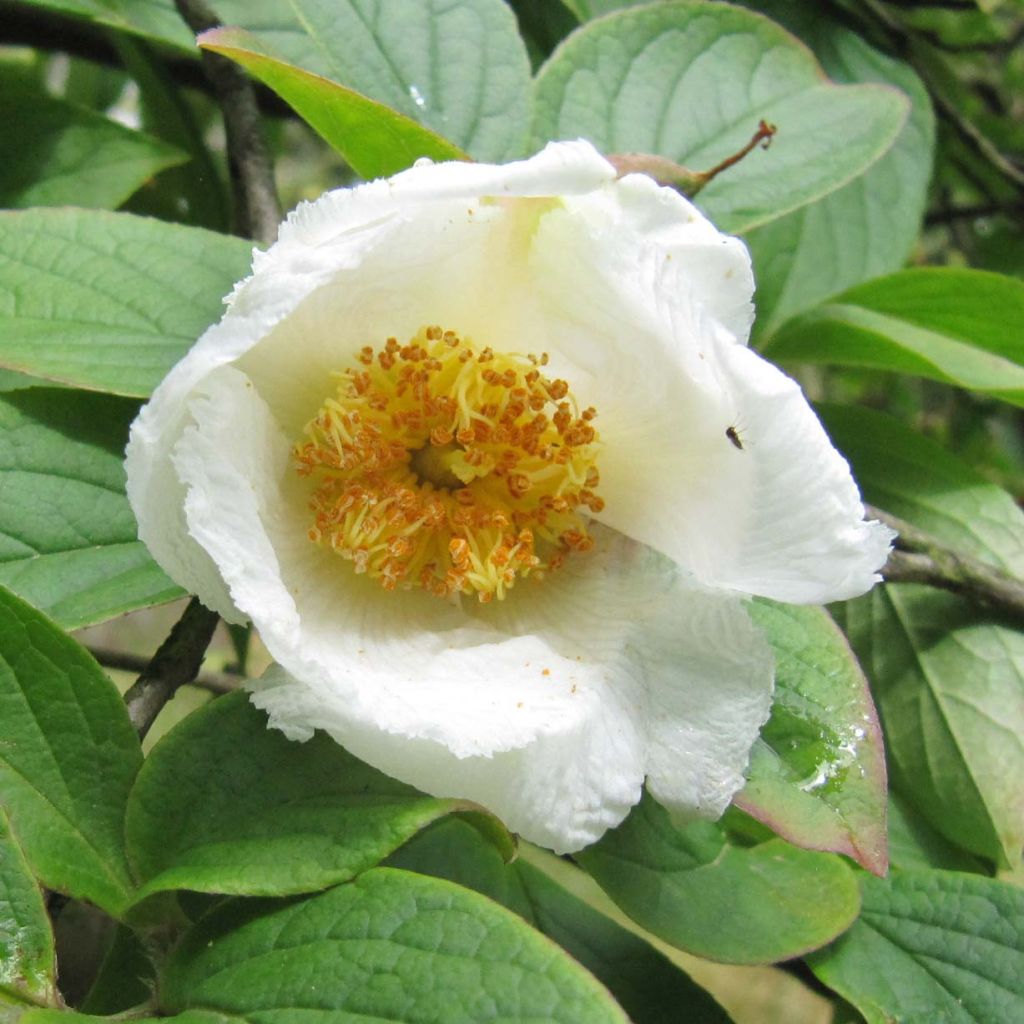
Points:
(548, 707)
(716, 670)
(804, 538)
(712, 455)
(400, 252)
(761, 503)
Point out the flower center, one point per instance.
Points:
(443, 466)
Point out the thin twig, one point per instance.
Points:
(110, 657)
(762, 137)
(682, 179)
(257, 213)
(921, 558)
(175, 663)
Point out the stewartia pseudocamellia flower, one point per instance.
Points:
(482, 453)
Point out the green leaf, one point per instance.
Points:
(68, 755)
(390, 946)
(914, 844)
(28, 966)
(125, 978)
(375, 140)
(156, 19)
(645, 983)
(817, 773)
(693, 889)
(11, 380)
(932, 946)
(587, 9)
(918, 480)
(68, 539)
(690, 81)
(948, 684)
(54, 153)
(460, 69)
(108, 301)
(947, 677)
(543, 24)
(283, 817)
(945, 324)
(44, 1016)
(868, 227)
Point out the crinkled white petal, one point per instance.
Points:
(779, 516)
(392, 248)
(615, 279)
(560, 169)
(700, 734)
(549, 708)
(627, 704)
(804, 538)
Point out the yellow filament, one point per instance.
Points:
(452, 468)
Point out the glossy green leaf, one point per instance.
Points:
(375, 140)
(817, 772)
(28, 966)
(932, 946)
(68, 539)
(390, 946)
(693, 889)
(946, 675)
(868, 227)
(645, 983)
(108, 301)
(68, 756)
(283, 817)
(942, 323)
(54, 153)
(690, 81)
(461, 69)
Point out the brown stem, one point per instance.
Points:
(175, 663)
(762, 137)
(111, 657)
(257, 213)
(682, 179)
(921, 558)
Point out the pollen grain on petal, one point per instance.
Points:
(451, 468)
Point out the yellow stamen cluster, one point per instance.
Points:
(452, 468)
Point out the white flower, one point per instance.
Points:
(264, 456)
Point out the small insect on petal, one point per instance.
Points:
(734, 438)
